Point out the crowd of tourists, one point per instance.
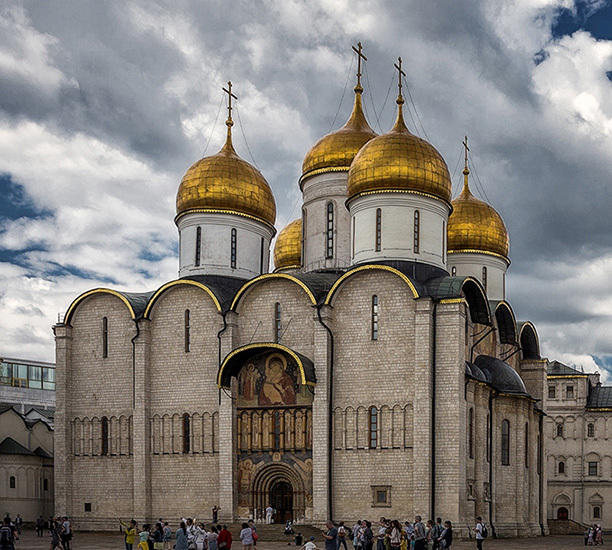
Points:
(593, 535)
(59, 529)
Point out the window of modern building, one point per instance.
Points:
(187, 331)
(27, 376)
(417, 231)
(48, 379)
(592, 468)
(374, 317)
(34, 377)
(378, 229)
(329, 249)
(104, 336)
(559, 430)
(569, 392)
(277, 322)
(561, 467)
(471, 433)
(552, 392)
(590, 429)
(596, 512)
(198, 245)
(104, 433)
(186, 433)
(484, 278)
(12, 482)
(505, 443)
(233, 250)
(526, 445)
(373, 427)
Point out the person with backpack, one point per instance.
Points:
(7, 535)
(481, 532)
(342, 535)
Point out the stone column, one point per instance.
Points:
(62, 432)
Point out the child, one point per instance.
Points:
(310, 545)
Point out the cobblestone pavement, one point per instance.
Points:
(114, 541)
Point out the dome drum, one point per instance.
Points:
(288, 247)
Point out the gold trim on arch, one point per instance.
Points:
(223, 211)
(402, 191)
(322, 171)
(244, 287)
(163, 289)
(537, 337)
(77, 301)
(278, 269)
(378, 267)
(452, 300)
(264, 345)
(475, 251)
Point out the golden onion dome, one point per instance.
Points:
(474, 226)
(225, 182)
(335, 152)
(399, 161)
(288, 247)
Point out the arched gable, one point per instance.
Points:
(529, 341)
(180, 282)
(330, 295)
(96, 291)
(477, 301)
(247, 287)
(506, 323)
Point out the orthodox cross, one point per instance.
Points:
(400, 73)
(360, 56)
(465, 145)
(229, 93)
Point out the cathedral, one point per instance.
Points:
(378, 370)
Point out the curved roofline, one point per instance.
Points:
(171, 284)
(529, 324)
(267, 276)
(476, 251)
(507, 306)
(379, 267)
(483, 295)
(79, 299)
(278, 269)
(224, 211)
(396, 190)
(264, 345)
(318, 171)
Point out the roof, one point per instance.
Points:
(600, 397)
(501, 375)
(555, 368)
(47, 413)
(41, 452)
(10, 447)
(224, 288)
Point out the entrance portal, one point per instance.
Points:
(562, 513)
(281, 496)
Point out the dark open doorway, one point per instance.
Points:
(281, 496)
(562, 513)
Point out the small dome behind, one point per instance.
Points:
(501, 375)
(475, 226)
(288, 247)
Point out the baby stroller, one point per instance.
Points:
(289, 528)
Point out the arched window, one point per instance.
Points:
(378, 229)
(373, 427)
(559, 430)
(471, 433)
(561, 467)
(104, 436)
(187, 331)
(12, 482)
(484, 278)
(233, 250)
(277, 322)
(329, 252)
(417, 231)
(186, 433)
(374, 317)
(104, 336)
(527, 445)
(198, 249)
(596, 512)
(505, 443)
(591, 430)
(454, 271)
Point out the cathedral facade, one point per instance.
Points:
(378, 371)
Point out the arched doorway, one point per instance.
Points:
(281, 496)
(562, 513)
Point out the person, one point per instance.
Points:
(254, 529)
(224, 539)
(181, 537)
(66, 533)
(381, 535)
(331, 536)
(429, 526)
(479, 532)
(143, 537)
(446, 537)
(289, 528)
(437, 531)
(7, 535)
(211, 538)
(158, 537)
(599, 536)
(130, 533)
(55, 530)
(368, 535)
(395, 535)
(269, 512)
(357, 535)
(419, 534)
(167, 536)
(246, 536)
(310, 545)
(19, 524)
(342, 535)
(215, 514)
(40, 526)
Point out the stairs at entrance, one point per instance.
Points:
(275, 532)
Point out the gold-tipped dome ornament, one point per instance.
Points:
(474, 226)
(399, 161)
(226, 183)
(335, 152)
(288, 247)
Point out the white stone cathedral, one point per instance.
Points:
(378, 371)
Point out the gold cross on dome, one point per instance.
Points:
(229, 93)
(400, 73)
(465, 145)
(360, 56)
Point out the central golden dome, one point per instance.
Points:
(336, 151)
(475, 226)
(399, 161)
(288, 247)
(226, 182)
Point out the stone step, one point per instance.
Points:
(275, 532)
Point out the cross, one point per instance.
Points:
(360, 56)
(465, 145)
(400, 73)
(230, 95)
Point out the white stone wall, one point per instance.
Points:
(471, 264)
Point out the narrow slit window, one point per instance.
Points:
(277, 323)
(187, 331)
(261, 257)
(373, 428)
(488, 445)
(104, 436)
(562, 467)
(453, 271)
(378, 229)
(104, 336)
(186, 433)
(198, 249)
(526, 445)
(329, 253)
(505, 443)
(417, 231)
(12, 482)
(591, 430)
(233, 251)
(471, 433)
(375, 317)
(484, 278)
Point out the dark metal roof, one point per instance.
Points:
(138, 301)
(47, 413)
(600, 397)
(474, 371)
(224, 288)
(555, 368)
(454, 287)
(10, 447)
(41, 452)
(319, 282)
(501, 375)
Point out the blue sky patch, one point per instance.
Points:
(15, 203)
(597, 22)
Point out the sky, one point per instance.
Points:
(105, 105)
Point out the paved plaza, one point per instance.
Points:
(114, 541)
